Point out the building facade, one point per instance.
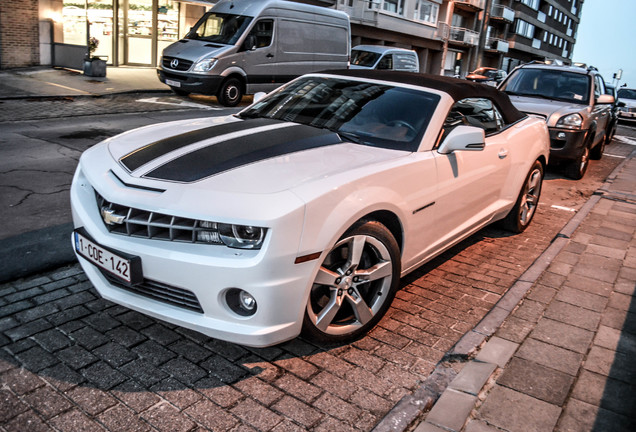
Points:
(451, 37)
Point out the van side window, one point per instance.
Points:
(478, 112)
(262, 32)
(405, 62)
(386, 62)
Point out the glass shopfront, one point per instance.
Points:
(130, 32)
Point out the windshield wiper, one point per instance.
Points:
(344, 136)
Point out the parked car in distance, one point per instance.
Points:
(487, 75)
(613, 122)
(384, 58)
(573, 102)
(302, 212)
(247, 46)
(626, 103)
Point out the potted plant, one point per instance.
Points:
(94, 66)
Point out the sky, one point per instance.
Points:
(606, 38)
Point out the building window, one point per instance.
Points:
(395, 6)
(524, 28)
(534, 4)
(426, 11)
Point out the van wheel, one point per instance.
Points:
(231, 92)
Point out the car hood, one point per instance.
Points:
(629, 103)
(549, 109)
(230, 155)
(195, 50)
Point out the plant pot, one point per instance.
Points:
(95, 67)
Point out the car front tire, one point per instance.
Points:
(355, 285)
(526, 206)
(576, 169)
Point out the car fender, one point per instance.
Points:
(232, 70)
(322, 230)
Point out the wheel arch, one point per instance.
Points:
(391, 221)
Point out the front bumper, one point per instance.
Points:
(191, 83)
(566, 144)
(270, 275)
(627, 115)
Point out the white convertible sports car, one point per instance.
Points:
(302, 212)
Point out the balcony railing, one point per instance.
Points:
(497, 44)
(476, 4)
(463, 35)
(502, 12)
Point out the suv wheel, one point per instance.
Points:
(597, 152)
(576, 168)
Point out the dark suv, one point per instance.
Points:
(573, 102)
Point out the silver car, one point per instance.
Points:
(573, 102)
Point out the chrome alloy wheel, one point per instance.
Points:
(530, 196)
(352, 285)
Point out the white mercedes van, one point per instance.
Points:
(246, 46)
(384, 57)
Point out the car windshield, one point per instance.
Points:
(372, 114)
(490, 73)
(221, 28)
(364, 58)
(549, 84)
(627, 94)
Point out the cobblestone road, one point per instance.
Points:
(72, 361)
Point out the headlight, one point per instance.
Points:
(204, 65)
(572, 121)
(242, 236)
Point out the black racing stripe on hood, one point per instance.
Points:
(237, 152)
(152, 151)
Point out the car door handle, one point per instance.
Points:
(502, 153)
(269, 55)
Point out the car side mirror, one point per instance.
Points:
(250, 43)
(605, 99)
(259, 96)
(621, 104)
(463, 138)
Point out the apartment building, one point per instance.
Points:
(520, 31)
(451, 37)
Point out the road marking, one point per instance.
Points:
(558, 207)
(183, 104)
(614, 156)
(67, 88)
(625, 140)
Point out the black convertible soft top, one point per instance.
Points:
(456, 88)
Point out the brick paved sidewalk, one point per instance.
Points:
(565, 359)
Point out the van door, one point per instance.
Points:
(259, 56)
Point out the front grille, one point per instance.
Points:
(160, 292)
(134, 222)
(183, 65)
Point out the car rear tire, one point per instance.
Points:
(597, 152)
(231, 92)
(526, 206)
(576, 169)
(355, 284)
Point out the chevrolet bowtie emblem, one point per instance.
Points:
(110, 217)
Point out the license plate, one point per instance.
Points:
(124, 266)
(173, 83)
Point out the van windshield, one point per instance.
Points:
(364, 58)
(220, 28)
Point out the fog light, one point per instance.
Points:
(241, 302)
(561, 135)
